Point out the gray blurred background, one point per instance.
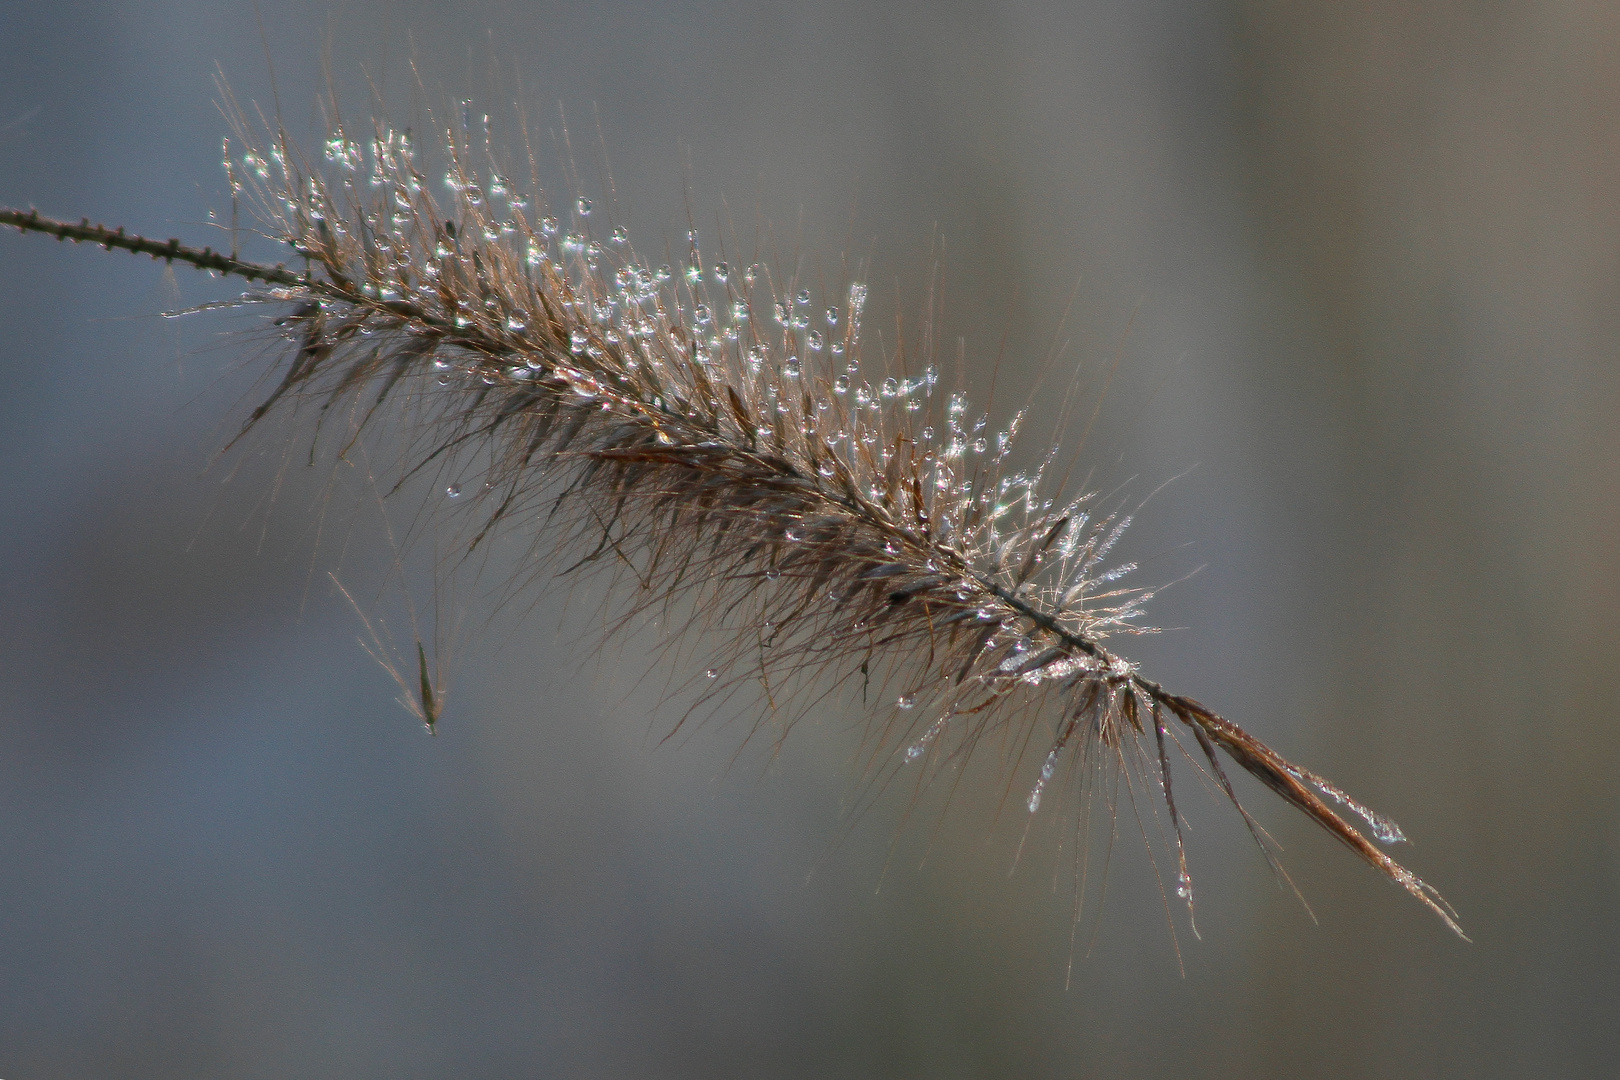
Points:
(1359, 264)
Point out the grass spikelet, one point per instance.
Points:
(715, 436)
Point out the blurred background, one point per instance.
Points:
(1358, 267)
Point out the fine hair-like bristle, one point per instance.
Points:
(711, 431)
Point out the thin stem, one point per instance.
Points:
(170, 251)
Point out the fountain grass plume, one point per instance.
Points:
(719, 442)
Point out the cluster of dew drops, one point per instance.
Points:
(628, 305)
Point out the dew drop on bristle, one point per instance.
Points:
(583, 205)
(454, 491)
(1387, 832)
(711, 673)
(905, 701)
(1047, 769)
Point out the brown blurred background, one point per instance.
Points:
(1360, 265)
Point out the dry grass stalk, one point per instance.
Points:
(714, 436)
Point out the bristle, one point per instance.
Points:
(723, 440)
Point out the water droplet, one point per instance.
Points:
(891, 387)
(664, 273)
(711, 674)
(1184, 886)
(739, 310)
(548, 225)
(583, 205)
(906, 701)
(814, 340)
(832, 316)
(772, 573)
(790, 367)
(722, 272)
(803, 298)
(926, 433)
(454, 491)
(1387, 832)
(793, 534)
(620, 234)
